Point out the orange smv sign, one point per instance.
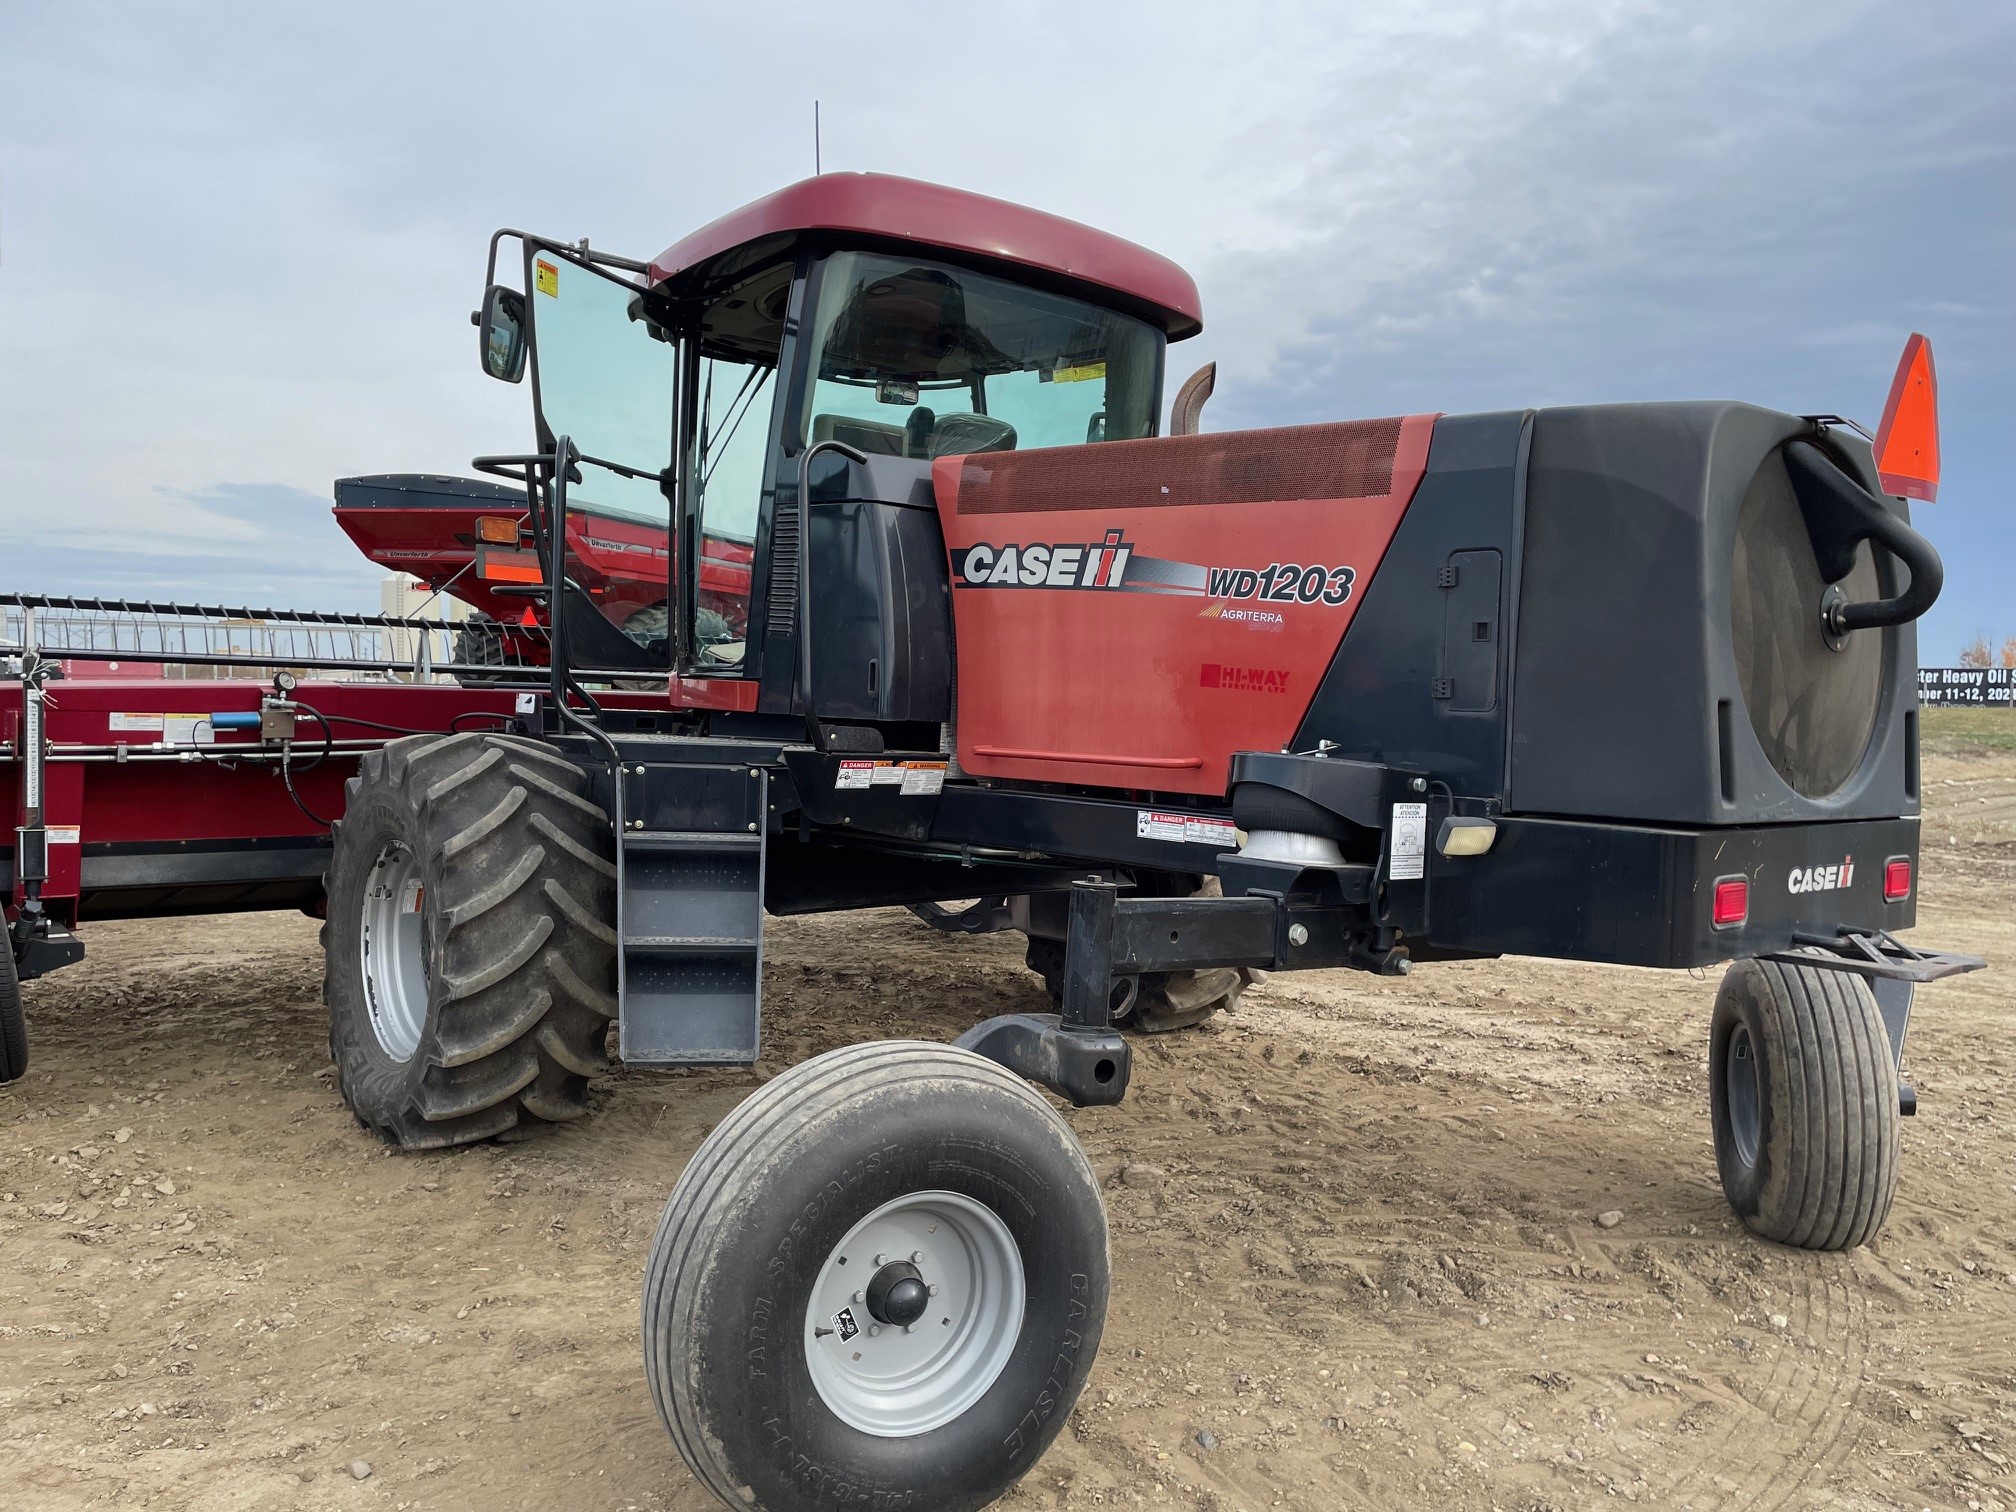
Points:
(1907, 441)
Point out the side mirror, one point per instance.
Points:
(501, 326)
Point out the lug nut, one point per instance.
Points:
(874, 1330)
(916, 1257)
(881, 1260)
(934, 1291)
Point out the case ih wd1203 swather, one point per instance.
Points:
(943, 616)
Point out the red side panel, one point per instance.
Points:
(1131, 614)
(173, 789)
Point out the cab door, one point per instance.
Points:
(605, 377)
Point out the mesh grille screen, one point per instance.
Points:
(1351, 460)
(783, 568)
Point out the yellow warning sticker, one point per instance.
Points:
(546, 278)
(1078, 374)
(925, 777)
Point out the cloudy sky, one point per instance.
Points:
(239, 242)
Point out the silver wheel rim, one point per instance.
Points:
(897, 1381)
(395, 952)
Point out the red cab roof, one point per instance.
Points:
(882, 205)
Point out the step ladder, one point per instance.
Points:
(690, 913)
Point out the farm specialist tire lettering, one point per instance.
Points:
(517, 897)
(755, 1221)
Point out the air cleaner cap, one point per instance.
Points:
(1907, 440)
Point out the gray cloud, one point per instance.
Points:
(238, 243)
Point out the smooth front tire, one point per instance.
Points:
(470, 948)
(881, 1281)
(1803, 1096)
(13, 1022)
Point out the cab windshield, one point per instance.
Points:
(919, 359)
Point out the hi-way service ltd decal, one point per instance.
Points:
(1113, 564)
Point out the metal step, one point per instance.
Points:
(691, 915)
(694, 840)
(688, 944)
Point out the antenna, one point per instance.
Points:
(816, 169)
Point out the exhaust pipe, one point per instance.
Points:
(1189, 406)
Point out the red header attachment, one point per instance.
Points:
(1907, 442)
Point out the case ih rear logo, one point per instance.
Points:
(1045, 565)
(1822, 878)
(1243, 679)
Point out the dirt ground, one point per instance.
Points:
(1356, 1256)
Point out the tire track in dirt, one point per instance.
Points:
(1353, 1231)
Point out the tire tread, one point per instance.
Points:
(741, 1144)
(1830, 1118)
(521, 913)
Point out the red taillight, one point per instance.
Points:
(1732, 901)
(1907, 439)
(1897, 879)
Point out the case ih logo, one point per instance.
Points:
(1808, 879)
(1112, 563)
(1243, 679)
(1045, 564)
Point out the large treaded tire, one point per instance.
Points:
(759, 1212)
(518, 902)
(1806, 1135)
(13, 1023)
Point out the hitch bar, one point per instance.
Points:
(1109, 943)
(1875, 953)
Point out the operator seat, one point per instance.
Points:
(957, 435)
(917, 431)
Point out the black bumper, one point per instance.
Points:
(1643, 896)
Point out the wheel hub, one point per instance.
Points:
(914, 1314)
(898, 1294)
(395, 951)
(1739, 1082)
